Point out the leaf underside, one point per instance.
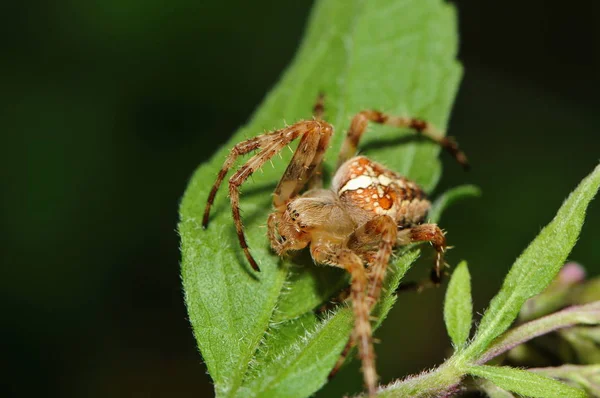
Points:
(257, 332)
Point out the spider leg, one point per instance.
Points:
(235, 182)
(345, 258)
(382, 230)
(359, 123)
(316, 180)
(242, 148)
(426, 233)
(307, 157)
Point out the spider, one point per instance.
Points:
(355, 224)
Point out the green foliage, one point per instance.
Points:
(398, 56)
(458, 307)
(526, 383)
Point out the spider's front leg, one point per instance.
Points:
(315, 136)
(239, 149)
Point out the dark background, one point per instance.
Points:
(107, 107)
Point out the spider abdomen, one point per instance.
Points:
(375, 190)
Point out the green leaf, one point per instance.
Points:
(398, 56)
(536, 267)
(526, 383)
(449, 198)
(458, 307)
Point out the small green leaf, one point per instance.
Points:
(458, 307)
(526, 383)
(536, 267)
(449, 198)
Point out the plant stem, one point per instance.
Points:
(440, 381)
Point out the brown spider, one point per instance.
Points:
(355, 224)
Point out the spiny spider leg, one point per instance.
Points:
(425, 233)
(382, 230)
(308, 155)
(242, 148)
(359, 123)
(315, 137)
(235, 181)
(327, 253)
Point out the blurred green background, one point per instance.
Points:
(107, 108)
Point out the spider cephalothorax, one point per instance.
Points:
(355, 224)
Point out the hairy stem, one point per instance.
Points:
(441, 381)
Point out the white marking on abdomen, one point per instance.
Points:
(359, 182)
